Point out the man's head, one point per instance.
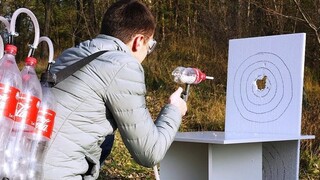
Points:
(131, 22)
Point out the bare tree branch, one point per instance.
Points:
(311, 25)
(274, 12)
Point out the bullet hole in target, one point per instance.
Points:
(261, 83)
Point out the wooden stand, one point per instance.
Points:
(218, 155)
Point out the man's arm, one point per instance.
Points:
(146, 140)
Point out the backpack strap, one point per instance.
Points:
(69, 70)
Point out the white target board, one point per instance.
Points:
(265, 83)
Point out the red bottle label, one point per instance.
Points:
(27, 109)
(8, 100)
(45, 122)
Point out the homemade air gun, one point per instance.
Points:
(188, 76)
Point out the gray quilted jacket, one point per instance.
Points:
(105, 95)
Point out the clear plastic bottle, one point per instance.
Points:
(43, 130)
(187, 75)
(10, 87)
(25, 120)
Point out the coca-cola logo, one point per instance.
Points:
(27, 109)
(22, 110)
(8, 100)
(43, 122)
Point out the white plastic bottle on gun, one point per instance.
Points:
(25, 120)
(44, 127)
(10, 87)
(188, 75)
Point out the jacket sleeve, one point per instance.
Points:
(146, 140)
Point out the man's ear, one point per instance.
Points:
(137, 43)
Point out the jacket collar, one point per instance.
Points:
(116, 43)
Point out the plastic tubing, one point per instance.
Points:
(35, 23)
(5, 22)
(1, 47)
(50, 46)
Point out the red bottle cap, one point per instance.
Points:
(9, 48)
(200, 76)
(31, 61)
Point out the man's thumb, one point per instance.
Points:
(179, 91)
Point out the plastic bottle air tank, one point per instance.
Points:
(25, 120)
(44, 127)
(10, 87)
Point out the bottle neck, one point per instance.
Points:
(10, 53)
(46, 84)
(29, 69)
(9, 58)
(12, 56)
(30, 65)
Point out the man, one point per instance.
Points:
(109, 94)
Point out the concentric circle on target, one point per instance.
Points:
(262, 87)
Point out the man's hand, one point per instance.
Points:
(176, 100)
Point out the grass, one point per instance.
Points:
(310, 150)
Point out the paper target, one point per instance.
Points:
(263, 88)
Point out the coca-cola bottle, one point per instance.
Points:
(10, 86)
(25, 120)
(188, 75)
(44, 127)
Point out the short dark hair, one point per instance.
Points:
(125, 18)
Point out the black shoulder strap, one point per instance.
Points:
(69, 70)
